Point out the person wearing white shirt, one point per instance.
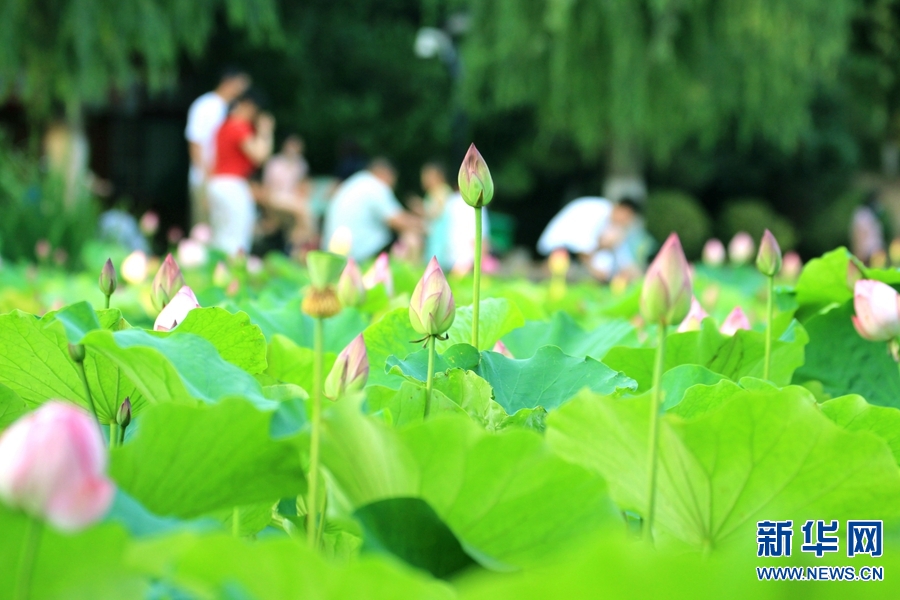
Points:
(205, 116)
(366, 207)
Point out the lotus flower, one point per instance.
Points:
(149, 223)
(713, 253)
(166, 284)
(741, 248)
(500, 348)
(380, 272)
(877, 307)
(201, 232)
(341, 241)
(667, 292)
(735, 320)
(768, 259)
(108, 280)
(134, 267)
(255, 265)
(192, 253)
(559, 263)
(694, 318)
(53, 465)
(431, 308)
(350, 371)
(350, 288)
(42, 249)
(475, 183)
(791, 266)
(175, 311)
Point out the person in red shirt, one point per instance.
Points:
(243, 143)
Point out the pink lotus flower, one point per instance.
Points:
(741, 248)
(713, 253)
(694, 318)
(149, 223)
(192, 253)
(500, 348)
(735, 320)
(667, 291)
(350, 288)
(42, 249)
(255, 264)
(877, 307)
(380, 272)
(175, 311)
(350, 371)
(53, 465)
(791, 266)
(167, 282)
(431, 308)
(202, 233)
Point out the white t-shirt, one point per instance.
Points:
(363, 204)
(577, 226)
(205, 116)
(461, 230)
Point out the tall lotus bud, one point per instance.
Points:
(741, 248)
(431, 308)
(149, 223)
(166, 284)
(713, 253)
(175, 311)
(559, 263)
(768, 259)
(500, 348)
(108, 280)
(134, 267)
(350, 288)
(694, 317)
(380, 272)
(877, 307)
(475, 183)
(735, 320)
(667, 292)
(350, 371)
(854, 274)
(53, 466)
(123, 416)
(792, 265)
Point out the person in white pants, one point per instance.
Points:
(243, 143)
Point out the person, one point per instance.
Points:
(366, 207)
(867, 230)
(608, 238)
(285, 193)
(205, 116)
(244, 142)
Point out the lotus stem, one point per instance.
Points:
(476, 286)
(30, 544)
(87, 390)
(655, 398)
(113, 434)
(429, 380)
(769, 312)
(318, 368)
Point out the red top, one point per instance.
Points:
(230, 157)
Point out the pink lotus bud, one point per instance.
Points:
(350, 289)
(201, 232)
(713, 253)
(53, 465)
(166, 284)
(559, 263)
(694, 318)
(877, 307)
(221, 276)
(380, 272)
(255, 264)
(134, 267)
(108, 280)
(341, 241)
(500, 348)
(42, 249)
(149, 223)
(791, 267)
(191, 253)
(768, 259)
(175, 234)
(60, 256)
(175, 311)
(233, 288)
(667, 292)
(854, 274)
(735, 320)
(431, 308)
(741, 248)
(350, 371)
(475, 183)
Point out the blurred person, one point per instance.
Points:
(366, 206)
(433, 177)
(244, 142)
(285, 192)
(867, 230)
(205, 116)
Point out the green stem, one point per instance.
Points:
(318, 368)
(87, 390)
(236, 522)
(321, 530)
(655, 398)
(121, 436)
(107, 301)
(429, 380)
(769, 313)
(30, 544)
(476, 289)
(113, 434)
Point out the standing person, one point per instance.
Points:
(205, 116)
(243, 143)
(366, 206)
(284, 179)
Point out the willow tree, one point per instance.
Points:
(629, 81)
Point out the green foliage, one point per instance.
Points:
(681, 213)
(755, 216)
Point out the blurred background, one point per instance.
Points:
(729, 114)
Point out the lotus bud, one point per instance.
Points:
(500, 348)
(234, 286)
(694, 318)
(53, 466)
(431, 308)
(713, 253)
(77, 352)
(475, 183)
(221, 276)
(341, 241)
(877, 307)
(350, 288)
(559, 263)
(149, 223)
(380, 272)
(255, 265)
(667, 292)
(123, 416)
(175, 311)
(735, 320)
(108, 280)
(175, 234)
(768, 259)
(741, 248)
(42, 249)
(792, 265)
(134, 267)
(201, 232)
(166, 284)
(192, 253)
(854, 274)
(350, 371)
